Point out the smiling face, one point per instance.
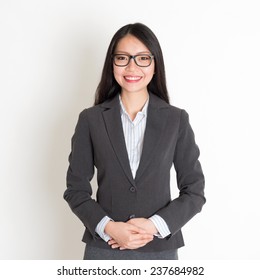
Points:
(133, 78)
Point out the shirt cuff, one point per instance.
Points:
(100, 228)
(161, 226)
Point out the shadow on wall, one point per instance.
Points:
(68, 228)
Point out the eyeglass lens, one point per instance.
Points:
(142, 60)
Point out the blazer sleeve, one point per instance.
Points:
(79, 174)
(190, 179)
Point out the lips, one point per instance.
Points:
(132, 78)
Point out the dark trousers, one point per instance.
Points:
(94, 253)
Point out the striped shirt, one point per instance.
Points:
(134, 135)
(134, 138)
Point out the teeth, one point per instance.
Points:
(133, 78)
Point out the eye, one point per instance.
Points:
(144, 57)
(121, 57)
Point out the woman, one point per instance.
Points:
(133, 136)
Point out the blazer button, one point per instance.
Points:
(132, 189)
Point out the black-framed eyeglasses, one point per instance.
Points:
(141, 60)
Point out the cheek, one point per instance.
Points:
(153, 69)
(117, 73)
(149, 74)
(149, 71)
(118, 70)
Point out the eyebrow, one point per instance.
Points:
(143, 52)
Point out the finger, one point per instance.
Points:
(136, 229)
(115, 246)
(142, 237)
(111, 242)
(138, 242)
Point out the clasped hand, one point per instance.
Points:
(133, 234)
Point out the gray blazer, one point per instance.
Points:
(169, 140)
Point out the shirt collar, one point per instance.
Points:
(142, 112)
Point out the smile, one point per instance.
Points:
(132, 78)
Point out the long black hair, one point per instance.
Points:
(108, 86)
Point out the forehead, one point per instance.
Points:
(131, 44)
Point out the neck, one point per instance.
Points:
(134, 102)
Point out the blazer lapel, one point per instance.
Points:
(112, 119)
(156, 120)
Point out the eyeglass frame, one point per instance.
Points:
(132, 57)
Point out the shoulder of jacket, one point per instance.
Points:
(91, 110)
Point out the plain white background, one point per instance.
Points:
(51, 57)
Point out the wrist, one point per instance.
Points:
(161, 226)
(109, 226)
(152, 227)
